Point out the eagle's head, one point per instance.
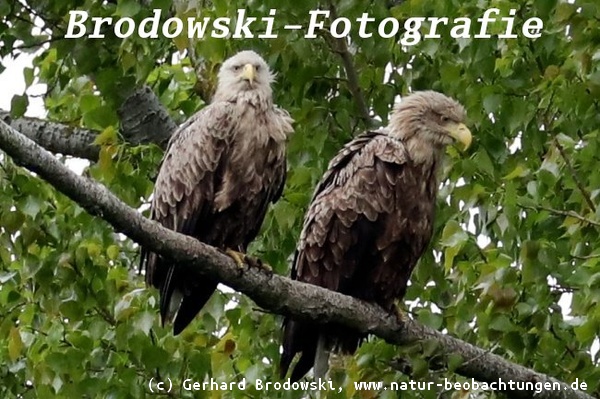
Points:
(427, 121)
(245, 71)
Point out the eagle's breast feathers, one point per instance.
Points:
(228, 152)
(369, 221)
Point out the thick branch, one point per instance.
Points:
(143, 120)
(273, 292)
(56, 137)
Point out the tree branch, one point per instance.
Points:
(560, 212)
(340, 47)
(278, 294)
(143, 120)
(37, 44)
(586, 195)
(56, 137)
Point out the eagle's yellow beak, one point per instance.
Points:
(249, 73)
(460, 133)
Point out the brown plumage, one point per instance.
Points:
(370, 220)
(221, 171)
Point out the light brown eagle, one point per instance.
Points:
(221, 170)
(370, 220)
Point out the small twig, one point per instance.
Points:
(561, 290)
(340, 47)
(12, 309)
(561, 213)
(548, 123)
(586, 195)
(402, 365)
(586, 257)
(567, 347)
(38, 44)
(263, 311)
(53, 23)
(106, 316)
(332, 79)
(394, 3)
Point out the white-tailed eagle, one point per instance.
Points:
(221, 170)
(370, 220)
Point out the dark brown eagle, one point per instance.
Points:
(221, 170)
(370, 220)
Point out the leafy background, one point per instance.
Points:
(516, 230)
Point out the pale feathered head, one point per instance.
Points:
(428, 120)
(244, 72)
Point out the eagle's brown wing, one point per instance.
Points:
(184, 193)
(360, 236)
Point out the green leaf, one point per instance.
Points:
(153, 356)
(107, 137)
(430, 319)
(113, 252)
(145, 322)
(420, 368)
(128, 8)
(100, 118)
(454, 361)
(13, 221)
(14, 344)
(4, 277)
(518, 171)
(491, 103)
(501, 323)
(72, 310)
(28, 75)
(18, 105)
(31, 207)
(453, 234)
(586, 332)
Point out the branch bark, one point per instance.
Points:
(56, 137)
(143, 120)
(278, 294)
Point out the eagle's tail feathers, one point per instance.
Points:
(170, 298)
(321, 362)
(192, 303)
(298, 338)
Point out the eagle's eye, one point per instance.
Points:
(257, 67)
(236, 68)
(444, 118)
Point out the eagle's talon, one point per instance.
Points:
(400, 314)
(258, 264)
(238, 257)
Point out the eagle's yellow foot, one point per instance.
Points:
(257, 263)
(238, 257)
(400, 315)
(241, 260)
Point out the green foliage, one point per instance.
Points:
(517, 225)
